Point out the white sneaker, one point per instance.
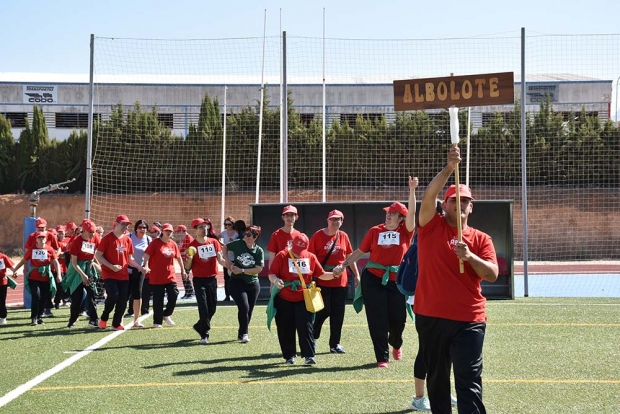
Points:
(244, 339)
(156, 325)
(2, 321)
(421, 404)
(137, 324)
(169, 321)
(203, 341)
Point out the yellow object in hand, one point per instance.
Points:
(191, 251)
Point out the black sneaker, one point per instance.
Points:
(290, 361)
(93, 324)
(33, 322)
(337, 350)
(40, 322)
(310, 361)
(47, 313)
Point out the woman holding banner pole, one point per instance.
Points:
(387, 244)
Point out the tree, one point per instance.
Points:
(7, 157)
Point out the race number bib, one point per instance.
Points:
(388, 238)
(2, 265)
(304, 266)
(88, 247)
(206, 251)
(39, 254)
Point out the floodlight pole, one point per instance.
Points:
(89, 141)
(524, 167)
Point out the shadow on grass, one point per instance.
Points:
(257, 372)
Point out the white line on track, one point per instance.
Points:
(10, 396)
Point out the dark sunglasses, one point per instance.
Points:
(228, 224)
(142, 227)
(250, 234)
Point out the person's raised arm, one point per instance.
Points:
(411, 204)
(428, 207)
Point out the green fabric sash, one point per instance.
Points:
(386, 274)
(271, 309)
(358, 299)
(45, 271)
(11, 283)
(73, 279)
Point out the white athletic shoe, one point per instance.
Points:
(156, 325)
(169, 321)
(244, 339)
(2, 321)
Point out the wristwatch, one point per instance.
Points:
(243, 271)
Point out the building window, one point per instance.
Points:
(17, 119)
(74, 120)
(166, 120)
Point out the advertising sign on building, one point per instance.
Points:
(538, 92)
(40, 94)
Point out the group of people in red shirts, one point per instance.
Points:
(449, 308)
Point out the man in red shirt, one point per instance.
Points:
(449, 306)
(281, 238)
(41, 225)
(115, 254)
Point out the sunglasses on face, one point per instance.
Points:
(249, 234)
(228, 224)
(335, 219)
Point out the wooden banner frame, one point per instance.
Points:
(460, 91)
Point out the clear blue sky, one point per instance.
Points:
(53, 36)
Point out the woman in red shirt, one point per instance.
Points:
(387, 244)
(40, 280)
(82, 273)
(159, 258)
(332, 246)
(288, 300)
(204, 253)
(5, 263)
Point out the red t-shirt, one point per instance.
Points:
(5, 263)
(386, 247)
(321, 244)
(38, 258)
(161, 261)
(84, 249)
(442, 291)
(31, 241)
(64, 245)
(187, 240)
(204, 263)
(284, 268)
(116, 250)
(280, 240)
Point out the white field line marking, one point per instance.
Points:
(10, 396)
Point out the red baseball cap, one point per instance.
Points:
(40, 234)
(464, 191)
(41, 222)
(197, 222)
(123, 219)
(155, 228)
(289, 209)
(300, 243)
(60, 227)
(71, 225)
(180, 227)
(335, 213)
(396, 207)
(52, 231)
(89, 226)
(168, 226)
